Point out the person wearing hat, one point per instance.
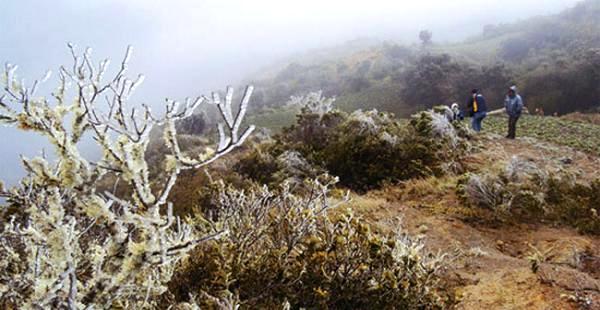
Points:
(514, 106)
(477, 109)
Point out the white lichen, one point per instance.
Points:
(72, 244)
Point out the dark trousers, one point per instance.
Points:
(512, 126)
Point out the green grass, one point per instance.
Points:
(273, 119)
(578, 135)
(381, 97)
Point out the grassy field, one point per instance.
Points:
(274, 119)
(583, 136)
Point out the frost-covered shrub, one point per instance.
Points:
(440, 142)
(520, 170)
(501, 196)
(314, 128)
(365, 150)
(267, 165)
(485, 191)
(369, 148)
(71, 244)
(259, 165)
(518, 189)
(286, 248)
(528, 192)
(346, 265)
(294, 168)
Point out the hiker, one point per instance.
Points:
(477, 109)
(457, 114)
(514, 106)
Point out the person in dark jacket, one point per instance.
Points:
(477, 109)
(514, 107)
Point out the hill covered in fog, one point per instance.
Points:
(554, 59)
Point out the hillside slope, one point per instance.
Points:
(554, 60)
(491, 261)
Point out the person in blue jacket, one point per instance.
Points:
(477, 109)
(513, 103)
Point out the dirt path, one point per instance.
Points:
(490, 267)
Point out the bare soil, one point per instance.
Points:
(489, 266)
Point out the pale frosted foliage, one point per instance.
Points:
(247, 215)
(367, 122)
(391, 139)
(294, 167)
(313, 102)
(487, 191)
(283, 246)
(374, 122)
(262, 221)
(498, 192)
(518, 169)
(443, 128)
(73, 245)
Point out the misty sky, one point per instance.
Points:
(187, 47)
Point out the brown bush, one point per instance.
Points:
(534, 195)
(283, 248)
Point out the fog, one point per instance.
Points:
(187, 47)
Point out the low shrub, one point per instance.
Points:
(575, 203)
(365, 149)
(259, 165)
(286, 249)
(530, 193)
(484, 191)
(314, 129)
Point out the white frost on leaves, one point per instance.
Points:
(518, 168)
(74, 245)
(295, 167)
(443, 128)
(486, 191)
(391, 139)
(314, 102)
(366, 122)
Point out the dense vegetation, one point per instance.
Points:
(283, 249)
(69, 240)
(364, 149)
(527, 192)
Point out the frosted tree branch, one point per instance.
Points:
(74, 245)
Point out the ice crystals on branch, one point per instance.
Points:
(72, 245)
